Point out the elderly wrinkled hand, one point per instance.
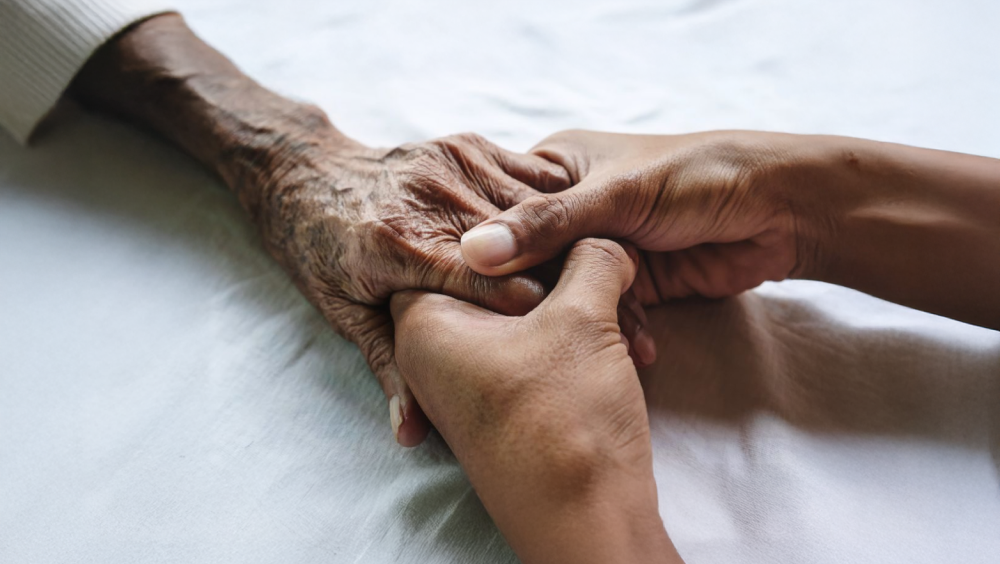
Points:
(353, 224)
(350, 224)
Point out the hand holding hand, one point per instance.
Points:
(701, 206)
(720, 212)
(352, 225)
(545, 412)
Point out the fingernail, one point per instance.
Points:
(645, 347)
(489, 245)
(395, 416)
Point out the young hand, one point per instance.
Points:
(698, 205)
(720, 212)
(545, 412)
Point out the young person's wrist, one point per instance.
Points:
(158, 74)
(906, 224)
(816, 178)
(613, 518)
(570, 495)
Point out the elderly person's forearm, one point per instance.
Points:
(162, 76)
(349, 223)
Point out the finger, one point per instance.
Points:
(629, 326)
(644, 287)
(581, 152)
(515, 294)
(643, 347)
(548, 272)
(712, 270)
(439, 267)
(500, 176)
(481, 163)
(568, 150)
(503, 191)
(630, 301)
(634, 323)
(596, 273)
(539, 173)
(530, 170)
(371, 329)
(410, 424)
(539, 228)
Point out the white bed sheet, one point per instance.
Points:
(167, 396)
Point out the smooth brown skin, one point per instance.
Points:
(350, 224)
(717, 213)
(545, 412)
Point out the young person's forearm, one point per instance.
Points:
(914, 226)
(617, 523)
(569, 496)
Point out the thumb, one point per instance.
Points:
(596, 273)
(539, 228)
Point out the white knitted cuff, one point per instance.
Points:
(44, 43)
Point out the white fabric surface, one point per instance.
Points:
(43, 43)
(167, 396)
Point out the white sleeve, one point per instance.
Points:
(44, 43)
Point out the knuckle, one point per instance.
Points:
(471, 138)
(458, 143)
(406, 150)
(310, 116)
(582, 310)
(447, 144)
(610, 253)
(546, 213)
(451, 157)
(463, 148)
(418, 158)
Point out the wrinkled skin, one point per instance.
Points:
(350, 224)
(353, 225)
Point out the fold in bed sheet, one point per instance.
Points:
(168, 396)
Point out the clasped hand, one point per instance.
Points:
(353, 225)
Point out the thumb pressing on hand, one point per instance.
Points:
(538, 229)
(596, 273)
